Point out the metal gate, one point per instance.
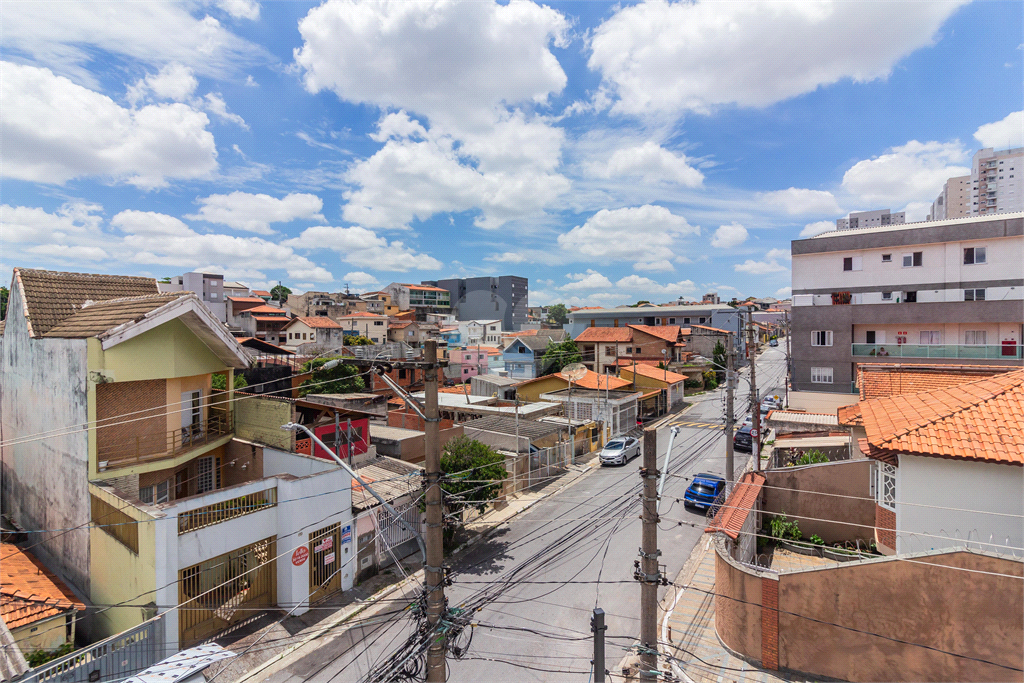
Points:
(324, 563)
(393, 533)
(225, 590)
(114, 659)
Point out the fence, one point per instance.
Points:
(392, 533)
(149, 447)
(208, 515)
(114, 659)
(535, 470)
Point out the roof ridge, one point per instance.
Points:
(89, 303)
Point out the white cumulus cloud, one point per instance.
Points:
(360, 279)
(255, 212)
(652, 233)
(797, 201)
(915, 171)
(1003, 134)
(358, 245)
(241, 9)
(654, 266)
(759, 267)
(54, 130)
(658, 56)
(816, 228)
(173, 82)
(652, 163)
(215, 104)
(728, 236)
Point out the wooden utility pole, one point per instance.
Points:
(434, 537)
(648, 573)
(730, 419)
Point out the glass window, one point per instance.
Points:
(887, 486)
(975, 337)
(886, 296)
(931, 337)
(974, 295)
(886, 258)
(821, 338)
(974, 255)
(821, 375)
(913, 259)
(204, 477)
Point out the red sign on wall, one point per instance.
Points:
(300, 556)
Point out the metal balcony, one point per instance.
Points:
(148, 447)
(991, 351)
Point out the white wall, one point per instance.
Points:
(986, 487)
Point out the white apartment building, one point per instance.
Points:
(954, 201)
(996, 185)
(870, 219)
(948, 291)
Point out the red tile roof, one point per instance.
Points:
(981, 420)
(266, 309)
(733, 514)
(29, 591)
(317, 321)
(669, 333)
(850, 415)
(426, 288)
(713, 329)
(260, 292)
(362, 314)
(654, 373)
(271, 318)
(591, 380)
(886, 379)
(399, 324)
(606, 334)
(246, 299)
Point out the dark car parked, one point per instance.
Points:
(741, 441)
(704, 491)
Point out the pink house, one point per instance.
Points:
(471, 361)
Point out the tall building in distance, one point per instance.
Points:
(954, 201)
(870, 219)
(996, 181)
(504, 298)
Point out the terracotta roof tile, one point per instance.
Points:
(315, 321)
(266, 309)
(885, 379)
(96, 318)
(713, 329)
(606, 334)
(655, 373)
(28, 590)
(591, 380)
(667, 332)
(733, 514)
(245, 299)
(362, 314)
(850, 415)
(270, 318)
(979, 420)
(50, 297)
(260, 292)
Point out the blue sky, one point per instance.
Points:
(609, 152)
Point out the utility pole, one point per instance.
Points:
(598, 628)
(789, 360)
(648, 572)
(433, 571)
(730, 419)
(755, 403)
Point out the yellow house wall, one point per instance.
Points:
(119, 575)
(532, 391)
(46, 634)
(642, 380)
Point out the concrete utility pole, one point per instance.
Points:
(598, 628)
(789, 360)
(433, 571)
(649, 575)
(755, 403)
(730, 419)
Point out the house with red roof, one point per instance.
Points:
(314, 329)
(604, 347)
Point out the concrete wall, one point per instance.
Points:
(879, 620)
(986, 487)
(45, 481)
(820, 401)
(260, 420)
(792, 491)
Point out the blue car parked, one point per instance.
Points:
(704, 491)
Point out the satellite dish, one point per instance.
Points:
(574, 372)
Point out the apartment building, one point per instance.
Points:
(209, 287)
(996, 185)
(954, 201)
(950, 292)
(478, 298)
(721, 316)
(421, 299)
(870, 219)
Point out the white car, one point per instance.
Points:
(620, 451)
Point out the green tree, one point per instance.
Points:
(557, 356)
(341, 379)
(280, 293)
(3, 302)
(473, 473)
(357, 340)
(220, 381)
(558, 314)
(719, 359)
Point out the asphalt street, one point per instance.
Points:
(538, 578)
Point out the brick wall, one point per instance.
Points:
(116, 399)
(885, 527)
(407, 419)
(769, 623)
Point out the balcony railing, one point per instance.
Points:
(208, 515)
(991, 351)
(149, 447)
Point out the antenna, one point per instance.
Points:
(574, 372)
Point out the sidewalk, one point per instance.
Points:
(689, 631)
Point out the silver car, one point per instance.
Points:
(620, 451)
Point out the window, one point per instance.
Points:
(204, 476)
(303, 335)
(821, 338)
(975, 338)
(886, 296)
(686, 321)
(821, 375)
(869, 337)
(914, 259)
(910, 297)
(671, 321)
(931, 337)
(886, 258)
(522, 349)
(378, 323)
(974, 295)
(401, 372)
(886, 489)
(155, 494)
(609, 350)
(702, 321)
(974, 255)
(853, 263)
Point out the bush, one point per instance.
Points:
(40, 657)
(816, 540)
(477, 472)
(784, 530)
(812, 457)
(710, 379)
(341, 379)
(219, 381)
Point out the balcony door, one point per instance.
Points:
(191, 416)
